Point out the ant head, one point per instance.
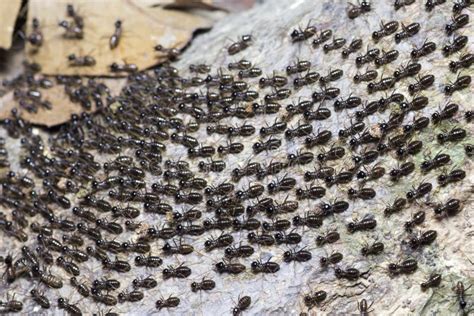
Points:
(291, 157)
(329, 179)
(441, 138)
(271, 186)
(442, 178)
(228, 251)
(324, 261)
(247, 38)
(357, 159)
(295, 33)
(364, 251)
(267, 226)
(435, 117)
(469, 149)
(376, 35)
(220, 265)
(449, 28)
(400, 152)
(407, 128)
(322, 157)
(61, 302)
(166, 247)
(448, 89)
(383, 127)
(257, 146)
(398, 38)
(452, 65)
(352, 191)
(446, 50)
(140, 259)
(353, 142)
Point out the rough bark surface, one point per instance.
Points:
(282, 293)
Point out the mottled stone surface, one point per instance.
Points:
(282, 293)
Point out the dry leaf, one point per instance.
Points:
(143, 28)
(8, 13)
(62, 105)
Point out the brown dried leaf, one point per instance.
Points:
(143, 28)
(8, 13)
(62, 105)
